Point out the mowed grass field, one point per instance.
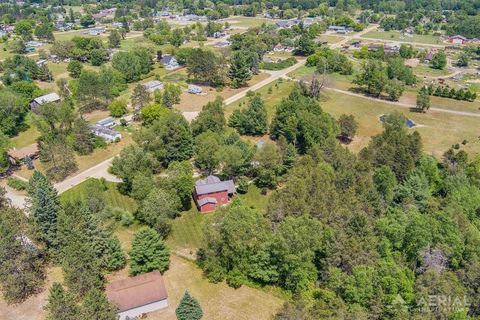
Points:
(398, 36)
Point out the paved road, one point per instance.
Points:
(98, 171)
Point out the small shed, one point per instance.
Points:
(153, 85)
(138, 295)
(48, 98)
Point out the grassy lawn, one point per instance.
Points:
(330, 38)
(422, 70)
(439, 131)
(113, 197)
(4, 52)
(26, 137)
(398, 36)
(280, 89)
(248, 22)
(190, 102)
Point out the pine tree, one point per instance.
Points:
(140, 97)
(61, 304)
(79, 253)
(96, 306)
(188, 308)
(239, 72)
(252, 120)
(44, 207)
(148, 253)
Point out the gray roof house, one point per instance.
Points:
(48, 98)
(194, 89)
(170, 62)
(212, 184)
(105, 133)
(136, 296)
(107, 122)
(153, 85)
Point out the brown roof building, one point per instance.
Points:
(138, 295)
(16, 155)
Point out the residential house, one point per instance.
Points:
(105, 133)
(338, 29)
(153, 85)
(48, 98)
(16, 156)
(107, 122)
(34, 44)
(136, 296)
(457, 39)
(279, 48)
(211, 193)
(170, 62)
(193, 89)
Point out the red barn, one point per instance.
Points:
(210, 193)
(457, 39)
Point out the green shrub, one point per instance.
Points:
(17, 184)
(279, 65)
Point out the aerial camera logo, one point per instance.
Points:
(436, 303)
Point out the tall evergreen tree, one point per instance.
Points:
(252, 120)
(188, 308)
(44, 207)
(423, 100)
(96, 306)
(78, 252)
(239, 72)
(61, 304)
(148, 253)
(212, 117)
(22, 269)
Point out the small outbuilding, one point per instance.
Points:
(211, 192)
(139, 295)
(457, 39)
(193, 89)
(108, 134)
(153, 85)
(48, 98)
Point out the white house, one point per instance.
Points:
(105, 133)
(153, 85)
(170, 62)
(48, 98)
(138, 295)
(194, 89)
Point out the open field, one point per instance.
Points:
(190, 102)
(247, 22)
(330, 38)
(280, 89)
(398, 36)
(422, 70)
(439, 131)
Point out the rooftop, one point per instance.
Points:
(213, 184)
(137, 291)
(51, 97)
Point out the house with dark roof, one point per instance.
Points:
(211, 193)
(170, 62)
(139, 295)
